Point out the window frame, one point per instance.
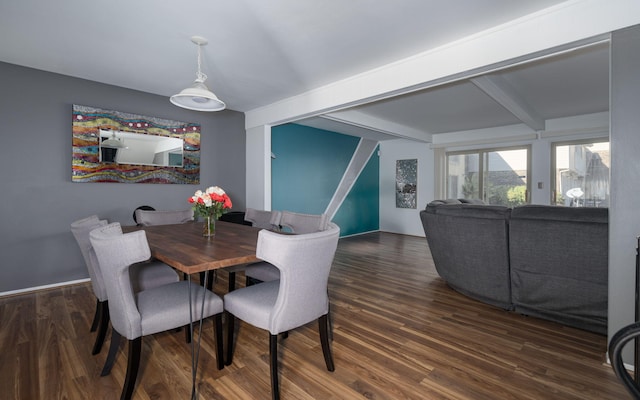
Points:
(482, 152)
(553, 150)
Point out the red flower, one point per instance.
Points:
(217, 197)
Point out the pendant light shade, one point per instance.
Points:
(198, 97)
(113, 142)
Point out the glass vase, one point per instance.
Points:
(209, 228)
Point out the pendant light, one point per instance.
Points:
(198, 97)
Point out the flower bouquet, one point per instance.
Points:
(210, 205)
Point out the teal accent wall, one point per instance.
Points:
(308, 167)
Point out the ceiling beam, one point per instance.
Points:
(498, 89)
(376, 124)
(495, 48)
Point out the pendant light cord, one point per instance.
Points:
(200, 76)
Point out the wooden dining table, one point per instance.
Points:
(183, 246)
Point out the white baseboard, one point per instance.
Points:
(629, 367)
(358, 234)
(43, 287)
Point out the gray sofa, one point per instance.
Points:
(545, 261)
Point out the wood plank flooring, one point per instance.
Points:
(399, 333)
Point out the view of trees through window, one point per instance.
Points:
(581, 173)
(497, 176)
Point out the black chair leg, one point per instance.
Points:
(330, 319)
(113, 352)
(230, 332)
(96, 317)
(273, 356)
(210, 280)
(103, 325)
(133, 364)
(330, 324)
(232, 281)
(324, 340)
(217, 320)
(187, 334)
(187, 331)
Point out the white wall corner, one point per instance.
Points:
(258, 162)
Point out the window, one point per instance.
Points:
(497, 176)
(581, 173)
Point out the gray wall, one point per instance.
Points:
(38, 201)
(624, 217)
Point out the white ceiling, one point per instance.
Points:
(568, 84)
(260, 52)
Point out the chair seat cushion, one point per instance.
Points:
(147, 275)
(262, 271)
(167, 307)
(254, 303)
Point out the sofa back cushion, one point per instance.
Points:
(468, 243)
(559, 264)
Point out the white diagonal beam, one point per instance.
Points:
(367, 121)
(359, 160)
(499, 90)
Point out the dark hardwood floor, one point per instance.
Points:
(398, 333)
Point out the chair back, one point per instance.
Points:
(115, 253)
(304, 223)
(263, 219)
(80, 230)
(304, 262)
(153, 217)
(135, 218)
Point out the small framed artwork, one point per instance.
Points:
(406, 183)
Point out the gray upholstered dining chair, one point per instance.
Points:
(260, 219)
(143, 276)
(295, 223)
(297, 298)
(168, 217)
(157, 217)
(303, 223)
(263, 219)
(163, 308)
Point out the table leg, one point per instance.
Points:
(195, 348)
(193, 372)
